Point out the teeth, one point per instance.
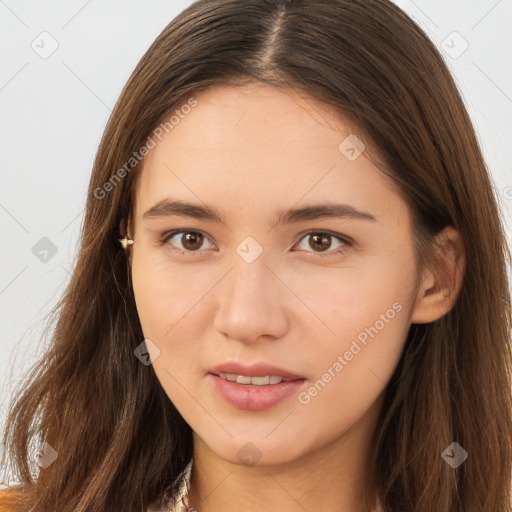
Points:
(256, 381)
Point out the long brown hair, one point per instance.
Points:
(120, 441)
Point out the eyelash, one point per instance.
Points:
(346, 242)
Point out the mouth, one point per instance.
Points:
(254, 387)
(255, 397)
(259, 374)
(266, 380)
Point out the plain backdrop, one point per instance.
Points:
(62, 67)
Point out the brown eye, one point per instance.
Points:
(190, 241)
(322, 242)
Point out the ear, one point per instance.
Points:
(440, 286)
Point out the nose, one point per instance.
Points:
(252, 302)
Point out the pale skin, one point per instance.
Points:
(250, 153)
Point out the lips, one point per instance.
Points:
(254, 370)
(254, 398)
(246, 394)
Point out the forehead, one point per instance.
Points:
(254, 120)
(258, 145)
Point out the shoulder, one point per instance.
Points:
(14, 499)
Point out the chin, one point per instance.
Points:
(256, 450)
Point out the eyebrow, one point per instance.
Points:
(168, 207)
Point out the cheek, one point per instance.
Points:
(351, 378)
(166, 294)
(342, 302)
(365, 317)
(350, 371)
(172, 304)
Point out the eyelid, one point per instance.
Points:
(165, 237)
(347, 241)
(340, 236)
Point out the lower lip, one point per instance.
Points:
(255, 398)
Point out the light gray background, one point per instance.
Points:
(53, 109)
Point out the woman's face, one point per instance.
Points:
(311, 270)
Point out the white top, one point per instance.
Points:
(181, 500)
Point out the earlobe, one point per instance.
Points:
(440, 286)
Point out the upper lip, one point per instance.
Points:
(253, 370)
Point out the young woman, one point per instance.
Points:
(292, 287)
